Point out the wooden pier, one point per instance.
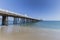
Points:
(5, 14)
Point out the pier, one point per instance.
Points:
(5, 14)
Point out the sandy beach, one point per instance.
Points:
(28, 33)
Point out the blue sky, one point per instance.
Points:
(42, 9)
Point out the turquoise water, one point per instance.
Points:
(42, 24)
(48, 24)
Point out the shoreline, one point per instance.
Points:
(28, 33)
(29, 28)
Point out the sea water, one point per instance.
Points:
(48, 24)
(41, 24)
(31, 31)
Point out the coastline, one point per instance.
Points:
(28, 33)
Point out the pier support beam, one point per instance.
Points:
(15, 21)
(28, 20)
(23, 20)
(4, 20)
(33, 20)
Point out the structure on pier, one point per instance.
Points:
(5, 14)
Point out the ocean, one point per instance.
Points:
(48, 24)
(43, 30)
(41, 24)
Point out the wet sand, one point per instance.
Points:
(28, 33)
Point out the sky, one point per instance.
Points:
(40, 9)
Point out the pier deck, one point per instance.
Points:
(6, 14)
